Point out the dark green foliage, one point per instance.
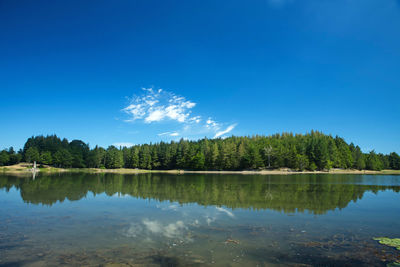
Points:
(79, 151)
(10, 157)
(312, 151)
(114, 158)
(394, 161)
(374, 162)
(345, 156)
(46, 158)
(198, 161)
(63, 158)
(32, 154)
(358, 157)
(96, 158)
(301, 162)
(4, 158)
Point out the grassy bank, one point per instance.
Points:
(25, 168)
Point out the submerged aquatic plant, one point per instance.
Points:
(392, 242)
(393, 264)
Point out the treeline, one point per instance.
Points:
(312, 151)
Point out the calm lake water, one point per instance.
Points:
(198, 220)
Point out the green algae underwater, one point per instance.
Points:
(391, 242)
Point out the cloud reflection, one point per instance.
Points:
(148, 228)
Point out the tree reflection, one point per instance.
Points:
(295, 193)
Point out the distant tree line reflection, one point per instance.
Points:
(314, 193)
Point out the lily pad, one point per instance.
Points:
(392, 242)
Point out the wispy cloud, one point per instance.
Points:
(211, 123)
(169, 134)
(227, 130)
(154, 106)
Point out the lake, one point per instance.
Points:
(198, 220)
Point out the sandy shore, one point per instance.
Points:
(25, 168)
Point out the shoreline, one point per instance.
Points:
(25, 168)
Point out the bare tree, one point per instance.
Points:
(268, 151)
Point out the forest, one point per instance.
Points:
(311, 151)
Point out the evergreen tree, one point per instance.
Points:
(301, 162)
(346, 159)
(241, 152)
(252, 157)
(135, 157)
(46, 158)
(373, 162)
(321, 154)
(63, 158)
(310, 151)
(394, 161)
(214, 155)
(155, 163)
(4, 158)
(15, 158)
(114, 158)
(198, 161)
(145, 158)
(32, 154)
(358, 158)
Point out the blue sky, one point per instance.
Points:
(110, 72)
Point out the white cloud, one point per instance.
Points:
(162, 106)
(227, 130)
(156, 115)
(159, 105)
(123, 144)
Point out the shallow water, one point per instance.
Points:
(198, 220)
